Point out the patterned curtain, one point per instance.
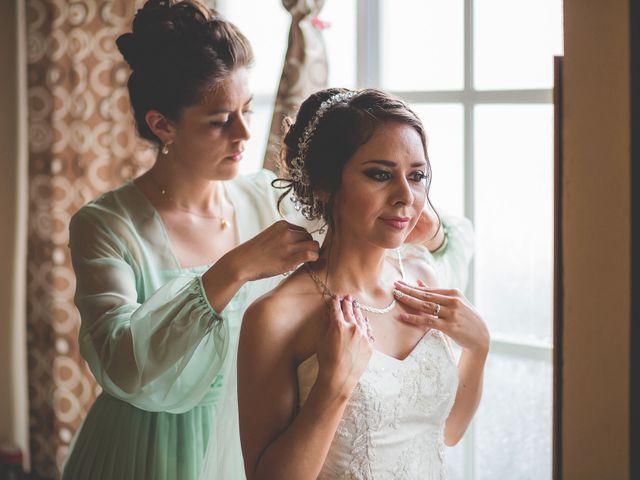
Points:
(82, 142)
(305, 68)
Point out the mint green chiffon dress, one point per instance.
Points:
(152, 340)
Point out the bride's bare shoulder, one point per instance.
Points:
(285, 312)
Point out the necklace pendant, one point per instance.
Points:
(224, 224)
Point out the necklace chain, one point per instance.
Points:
(367, 308)
(224, 223)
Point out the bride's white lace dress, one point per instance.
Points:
(393, 425)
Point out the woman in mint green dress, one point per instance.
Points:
(167, 264)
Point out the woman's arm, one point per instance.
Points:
(471, 373)
(160, 354)
(277, 442)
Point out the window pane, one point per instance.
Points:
(515, 41)
(257, 144)
(422, 44)
(267, 28)
(455, 457)
(443, 124)
(513, 426)
(514, 218)
(340, 39)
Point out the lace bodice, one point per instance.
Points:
(393, 425)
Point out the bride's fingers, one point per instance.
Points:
(430, 308)
(362, 321)
(424, 320)
(336, 314)
(427, 295)
(449, 292)
(347, 311)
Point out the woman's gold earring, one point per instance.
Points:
(165, 149)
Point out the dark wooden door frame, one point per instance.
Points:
(634, 366)
(557, 270)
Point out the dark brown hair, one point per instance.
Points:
(178, 51)
(344, 128)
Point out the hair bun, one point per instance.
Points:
(129, 49)
(162, 28)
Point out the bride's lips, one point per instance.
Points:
(399, 223)
(236, 157)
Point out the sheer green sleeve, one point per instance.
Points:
(451, 261)
(161, 353)
(453, 258)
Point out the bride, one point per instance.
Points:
(345, 370)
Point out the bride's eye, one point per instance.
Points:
(378, 175)
(418, 177)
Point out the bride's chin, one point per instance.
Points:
(391, 243)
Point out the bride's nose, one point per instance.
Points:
(402, 193)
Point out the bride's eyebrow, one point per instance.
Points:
(392, 164)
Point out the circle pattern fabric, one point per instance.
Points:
(82, 142)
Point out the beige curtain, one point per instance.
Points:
(81, 142)
(305, 69)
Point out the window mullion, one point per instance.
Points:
(469, 193)
(369, 43)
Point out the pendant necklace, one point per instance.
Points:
(224, 223)
(367, 308)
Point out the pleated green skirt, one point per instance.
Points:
(118, 441)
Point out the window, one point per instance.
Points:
(479, 73)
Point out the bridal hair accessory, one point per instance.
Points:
(305, 200)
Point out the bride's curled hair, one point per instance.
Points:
(178, 51)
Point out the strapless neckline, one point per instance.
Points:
(431, 333)
(393, 424)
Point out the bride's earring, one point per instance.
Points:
(165, 149)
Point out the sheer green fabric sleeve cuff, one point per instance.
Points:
(452, 259)
(165, 354)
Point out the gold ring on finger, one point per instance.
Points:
(436, 309)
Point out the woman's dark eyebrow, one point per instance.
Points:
(391, 164)
(224, 110)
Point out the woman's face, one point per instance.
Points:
(209, 137)
(383, 188)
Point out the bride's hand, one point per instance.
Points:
(344, 352)
(445, 310)
(426, 227)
